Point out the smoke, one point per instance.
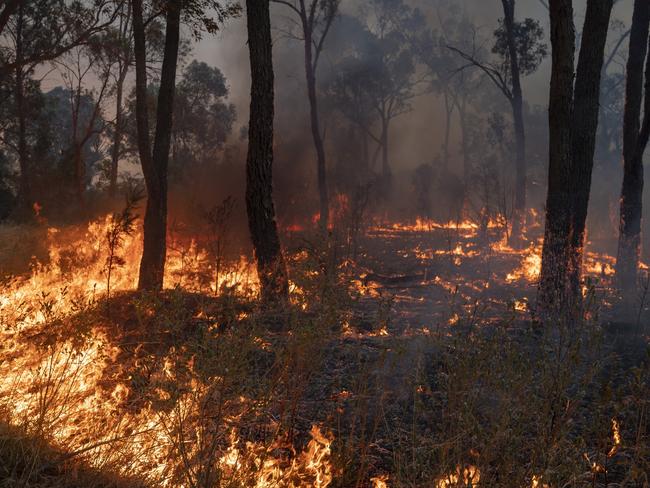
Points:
(416, 137)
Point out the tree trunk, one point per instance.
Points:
(573, 123)
(586, 108)
(271, 268)
(321, 168)
(461, 106)
(366, 156)
(79, 168)
(385, 165)
(449, 110)
(552, 286)
(154, 166)
(117, 136)
(519, 210)
(629, 240)
(25, 197)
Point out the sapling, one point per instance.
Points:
(217, 220)
(121, 226)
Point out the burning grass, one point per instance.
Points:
(382, 373)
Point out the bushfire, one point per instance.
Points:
(71, 388)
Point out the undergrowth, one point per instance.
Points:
(196, 390)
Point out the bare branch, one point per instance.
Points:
(493, 73)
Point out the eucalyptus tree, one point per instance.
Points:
(200, 16)
(519, 51)
(260, 207)
(573, 122)
(636, 131)
(314, 21)
(76, 67)
(37, 32)
(458, 87)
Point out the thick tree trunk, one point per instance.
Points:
(154, 165)
(586, 108)
(629, 240)
(553, 285)
(321, 167)
(517, 104)
(573, 123)
(271, 268)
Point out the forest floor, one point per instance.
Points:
(416, 364)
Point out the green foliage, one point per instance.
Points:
(531, 51)
(203, 120)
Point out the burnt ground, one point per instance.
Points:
(441, 277)
(434, 304)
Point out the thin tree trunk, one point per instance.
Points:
(271, 267)
(552, 286)
(79, 172)
(385, 165)
(586, 108)
(117, 136)
(519, 211)
(464, 145)
(449, 110)
(25, 197)
(629, 240)
(154, 166)
(366, 155)
(321, 168)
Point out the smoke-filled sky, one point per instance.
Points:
(416, 137)
(413, 132)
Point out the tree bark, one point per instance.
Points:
(573, 124)
(586, 109)
(154, 165)
(271, 268)
(517, 103)
(552, 286)
(629, 240)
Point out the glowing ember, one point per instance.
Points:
(380, 481)
(616, 439)
(467, 476)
